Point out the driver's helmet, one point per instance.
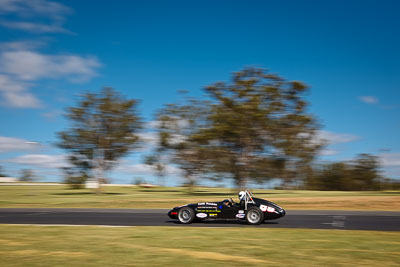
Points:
(242, 195)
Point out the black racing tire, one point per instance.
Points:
(254, 216)
(186, 215)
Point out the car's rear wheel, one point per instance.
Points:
(254, 216)
(186, 215)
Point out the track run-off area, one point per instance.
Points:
(310, 219)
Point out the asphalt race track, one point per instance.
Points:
(346, 220)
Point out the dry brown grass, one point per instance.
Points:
(168, 197)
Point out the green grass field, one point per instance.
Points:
(166, 197)
(194, 246)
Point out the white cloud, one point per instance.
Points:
(152, 124)
(150, 139)
(369, 99)
(390, 159)
(41, 160)
(21, 100)
(52, 115)
(333, 139)
(21, 64)
(19, 68)
(10, 144)
(29, 8)
(34, 27)
(391, 164)
(54, 14)
(328, 152)
(22, 45)
(336, 138)
(15, 93)
(30, 65)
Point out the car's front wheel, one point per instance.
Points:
(186, 215)
(254, 216)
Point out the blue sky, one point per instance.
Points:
(51, 51)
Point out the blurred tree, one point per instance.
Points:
(336, 176)
(103, 129)
(75, 177)
(258, 128)
(138, 181)
(2, 172)
(365, 172)
(359, 174)
(176, 126)
(390, 184)
(255, 128)
(156, 161)
(27, 175)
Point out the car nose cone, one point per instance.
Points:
(282, 212)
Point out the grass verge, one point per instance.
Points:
(191, 246)
(167, 197)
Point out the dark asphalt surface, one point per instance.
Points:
(346, 220)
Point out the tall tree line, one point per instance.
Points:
(362, 173)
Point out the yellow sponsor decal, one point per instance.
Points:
(208, 210)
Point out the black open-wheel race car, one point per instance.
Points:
(249, 208)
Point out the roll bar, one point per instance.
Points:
(248, 198)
